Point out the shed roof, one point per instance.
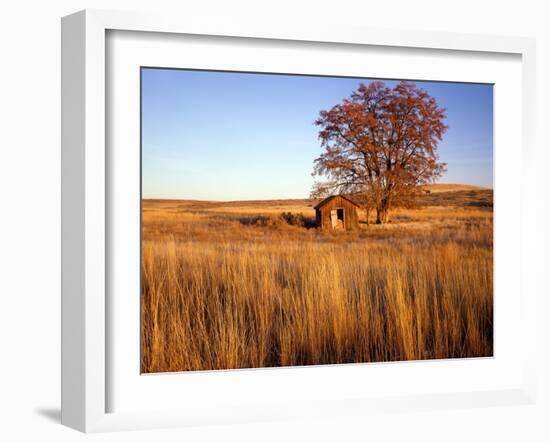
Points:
(330, 198)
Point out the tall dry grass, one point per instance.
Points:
(220, 294)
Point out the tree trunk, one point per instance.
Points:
(381, 216)
(382, 213)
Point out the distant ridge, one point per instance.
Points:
(436, 188)
(432, 188)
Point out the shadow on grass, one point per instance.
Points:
(285, 218)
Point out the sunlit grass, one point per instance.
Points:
(220, 293)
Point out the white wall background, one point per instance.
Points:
(30, 216)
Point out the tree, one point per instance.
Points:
(380, 144)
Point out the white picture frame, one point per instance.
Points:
(86, 204)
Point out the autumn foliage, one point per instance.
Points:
(380, 144)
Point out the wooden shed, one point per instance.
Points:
(337, 212)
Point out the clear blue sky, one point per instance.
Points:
(237, 136)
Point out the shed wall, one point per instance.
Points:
(351, 220)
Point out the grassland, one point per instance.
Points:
(236, 285)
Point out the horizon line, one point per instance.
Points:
(287, 199)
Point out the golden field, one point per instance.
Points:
(236, 285)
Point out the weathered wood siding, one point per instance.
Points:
(351, 220)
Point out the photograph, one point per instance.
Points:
(293, 220)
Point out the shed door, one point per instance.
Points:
(337, 218)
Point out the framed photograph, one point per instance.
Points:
(266, 222)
